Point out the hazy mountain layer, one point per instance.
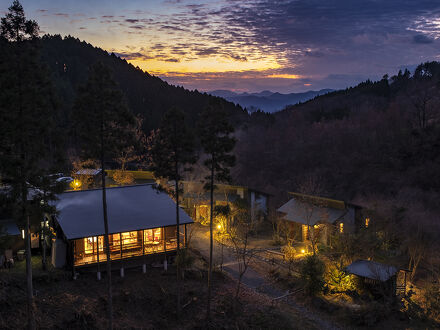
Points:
(266, 100)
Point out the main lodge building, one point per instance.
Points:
(141, 220)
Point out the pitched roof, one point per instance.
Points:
(88, 171)
(319, 201)
(372, 270)
(310, 214)
(129, 208)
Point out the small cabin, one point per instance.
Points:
(314, 215)
(379, 279)
(141, 224)
(196, 199)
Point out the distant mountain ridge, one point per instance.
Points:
(267, 101)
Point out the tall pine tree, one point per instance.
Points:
(171, 149)
(103, 126)
(27, 120)
(217, 144)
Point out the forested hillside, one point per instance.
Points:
(378, 140)
(69, 59)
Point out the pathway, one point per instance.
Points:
(252, 279)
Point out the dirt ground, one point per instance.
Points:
(140, 301)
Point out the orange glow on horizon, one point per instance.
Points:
(284, 76)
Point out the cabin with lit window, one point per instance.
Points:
(196, 200)
(141, 225)
(319, 217)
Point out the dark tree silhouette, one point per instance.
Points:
(171, 149)
(104, 126)
(15, 26)
(27, 119)
(217, 144)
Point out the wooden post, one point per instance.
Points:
(144, 266)
(143, 242)
(164, 239)
(93, 248)
(97, 248)
(165, 264)
(185, 241)
(120, 244)
(404, 285)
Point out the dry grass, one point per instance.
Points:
(140, 301)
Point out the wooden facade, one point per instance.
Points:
(124, 245)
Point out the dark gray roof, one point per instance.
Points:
(372, 270)
(88, 171)
(129, 208)
(309, 214)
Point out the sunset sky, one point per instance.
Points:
(278, 45)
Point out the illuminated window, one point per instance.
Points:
(90, 244)
(367, 222)
(128, 238)
(152, 235)
(341, 227)
(116, 240)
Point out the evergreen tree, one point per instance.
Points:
(215, 130)
(103, 127)
(172, 147)
(27, 119)
(15, 26)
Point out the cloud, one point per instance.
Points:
(61, 14)
(422, 39)
(137, 27)
(238, 57)
(173, 2)
(133, 56)
(207, 51)
(338, 42)
(174, 60)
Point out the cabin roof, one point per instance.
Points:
(319, 201)
(372, 270)
(310, 214)
(88, 171)
(129, 208)
(223, 186)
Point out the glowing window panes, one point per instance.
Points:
(152, 235)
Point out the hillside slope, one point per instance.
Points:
(69, 59)
(376, 139)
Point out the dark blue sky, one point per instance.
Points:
(280, 45)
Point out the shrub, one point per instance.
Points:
(431, 296)
(312, 273)
(338, 280)
(289, 252)
(123, 177)
(185, 260)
